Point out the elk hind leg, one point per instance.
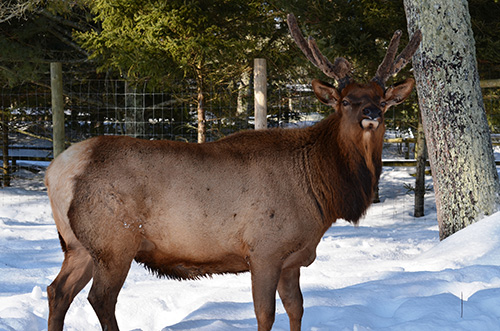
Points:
(108, 278)
(76, 272)
(291, 296)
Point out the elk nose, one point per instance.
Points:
(372, 112)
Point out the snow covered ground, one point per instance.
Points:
(390, 273)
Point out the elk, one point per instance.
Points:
(257, 201)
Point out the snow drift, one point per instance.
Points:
(390, 273)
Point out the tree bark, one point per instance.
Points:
(260, 93)
(135, 122)
(202, 122)
(244, 93)
(458, 138)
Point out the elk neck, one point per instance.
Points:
(344, 167)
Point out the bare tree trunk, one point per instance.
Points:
(244, 93)
(260, 93)
(419, 209)
(202, 128)
(135, 123)
(458, 138)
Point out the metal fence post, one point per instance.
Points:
(260, 93)
(57, 107)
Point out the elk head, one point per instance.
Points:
(360, 104)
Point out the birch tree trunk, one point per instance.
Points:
(458, 138)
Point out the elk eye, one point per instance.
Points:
(345, 103)
(383, 104)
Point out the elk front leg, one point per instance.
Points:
(291, 296)
(265, 279)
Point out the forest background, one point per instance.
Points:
(194, 50)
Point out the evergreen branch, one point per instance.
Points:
(66, 38)
(62, 21)
(10, 9)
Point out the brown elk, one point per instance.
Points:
(256, 201)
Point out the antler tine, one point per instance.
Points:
(408, 52)
(385, 68)
(338, 71)
(389, 66)
(299, 38)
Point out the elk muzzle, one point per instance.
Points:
(371, 118)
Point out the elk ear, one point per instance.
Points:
(396, 94)
(325, 92)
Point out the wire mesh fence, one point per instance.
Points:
(100, 107)
(115, 107)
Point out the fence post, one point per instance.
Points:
(421, 156)
(260, 93)
(57, 107)
(5, 148)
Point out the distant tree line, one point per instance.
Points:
(209, 42)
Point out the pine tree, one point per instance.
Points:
(206, 41)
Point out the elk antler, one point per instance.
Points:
(339, 70)
(389, 66)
